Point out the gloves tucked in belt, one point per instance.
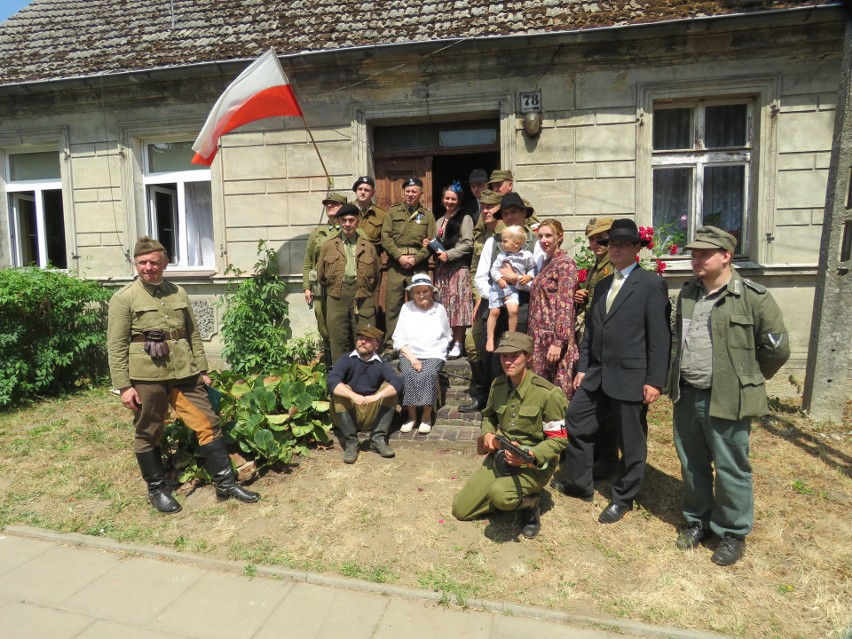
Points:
(155, 343)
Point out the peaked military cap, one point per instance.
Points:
(335, 197)
(514, 342)
(500, 176)
(145, 245)
(712, 237)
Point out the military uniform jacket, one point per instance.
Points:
(595, 275)
(750, 345)
(316, 239)
(332, 265)
(141, 307)
(521, 414)
(370, 225)
(403, 232)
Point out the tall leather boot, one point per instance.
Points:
(531, 515)
(151, 465)
(219, 465)
(348, 436)
(378, 438)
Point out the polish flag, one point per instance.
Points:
(261, 91)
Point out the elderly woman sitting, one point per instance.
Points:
(421, 337)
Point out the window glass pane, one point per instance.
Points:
(672, 203)
(467, 137)
(725, 126)
(672, 129)
(199, 224)
(402, 138)
(54, 228)
(724, 199)
(24, 209)
(165, 157)
(164, 217)
(34, 166)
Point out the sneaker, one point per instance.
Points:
(728, 552)
(455, 351)
(424, 428)
(407, 427)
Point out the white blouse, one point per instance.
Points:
(425, 333)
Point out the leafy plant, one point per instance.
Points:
(255, 325)
(52, 333)
(266, 417)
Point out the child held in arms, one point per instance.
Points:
(512, 239)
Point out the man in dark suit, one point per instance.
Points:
(624, 359)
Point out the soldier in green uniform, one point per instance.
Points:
(730, 339)
(489, 202)
(372, 215)
(348, 268)
(156, 359)
(529, 411)
(314, 293)
(406, 225)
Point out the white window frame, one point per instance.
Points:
(763, 92)
(37, 188)
(180, 179)
(698, 158)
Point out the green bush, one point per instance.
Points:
(52, 333)
(255, 326)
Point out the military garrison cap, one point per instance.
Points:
(335, 197)
(500, 176)
(368, 330)
(145, 245)
(599, 225)
(712, 237)
(490, 197)
(413, 181)
(514, 342)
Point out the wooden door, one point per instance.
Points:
(391, 173)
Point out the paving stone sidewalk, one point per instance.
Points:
(60, 586)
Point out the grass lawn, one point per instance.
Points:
(68, 466)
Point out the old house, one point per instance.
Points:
(676, 113)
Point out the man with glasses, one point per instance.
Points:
(364, 391)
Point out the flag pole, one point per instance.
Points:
(328, 179)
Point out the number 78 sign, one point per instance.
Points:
(530, 101)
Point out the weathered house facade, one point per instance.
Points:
(675, 113)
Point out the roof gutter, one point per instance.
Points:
(593, 33)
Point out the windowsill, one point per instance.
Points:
(682, 267)
(174, 272)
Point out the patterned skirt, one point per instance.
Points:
(421, 387)
(559, 373)
(453, 284)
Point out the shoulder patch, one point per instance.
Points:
(757, 288)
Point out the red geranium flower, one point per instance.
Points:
(673, 249)
(582, 274)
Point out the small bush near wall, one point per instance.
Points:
(52, 333)
(255, 324)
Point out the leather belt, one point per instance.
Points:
(174, 333)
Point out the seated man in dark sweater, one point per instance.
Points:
(364, 393)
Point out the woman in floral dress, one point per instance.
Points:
(452, 265)
(551, 314)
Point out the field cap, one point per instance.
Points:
(601, 225)
(712, 237)
(514, 342)
(334, 198)
(368, 330)
(490, 197)
(145, 245)
(421, 279)
(500, 176)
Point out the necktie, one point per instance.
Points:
(617, 281)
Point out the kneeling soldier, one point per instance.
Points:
(529, 411)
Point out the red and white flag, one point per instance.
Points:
(261, 91)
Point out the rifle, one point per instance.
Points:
(505, 444)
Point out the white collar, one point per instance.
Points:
(375, 356)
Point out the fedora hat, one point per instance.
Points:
(624, 230)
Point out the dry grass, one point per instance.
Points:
(68, 466)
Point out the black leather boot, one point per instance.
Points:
(348, 436)
(151, 465)
(378, 438)
(219, 465)
(531, 515)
